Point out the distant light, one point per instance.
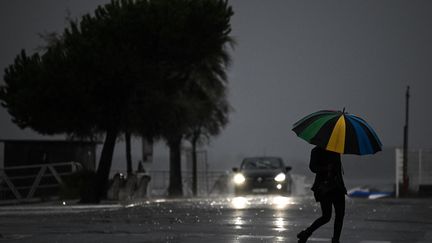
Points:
(238, 222)
(280, 202)
(239, 179)
(280, 224)
(279, 186)
(280, 177)
(64, 203)
(131, 205)
(239, 202)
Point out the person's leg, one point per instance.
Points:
(339, 205)
(326, 209)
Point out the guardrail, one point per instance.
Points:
(13, 177)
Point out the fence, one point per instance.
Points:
(208, 183)
(419, 170)
(21, 183)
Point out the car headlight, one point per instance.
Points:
(239, 179)
(280, 177)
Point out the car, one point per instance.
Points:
(262, 175)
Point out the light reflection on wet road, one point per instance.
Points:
(224, 219)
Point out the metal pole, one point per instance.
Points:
(206, 171)
(397, 172)
(420, 167)
(405, 182)
(194, 170)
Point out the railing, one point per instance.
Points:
(20, 183)
(419, 170)
(206, 182)
(210, 182)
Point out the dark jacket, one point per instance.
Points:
(328, 168)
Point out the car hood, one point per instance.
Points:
(263, 173)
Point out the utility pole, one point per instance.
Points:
(405, 182)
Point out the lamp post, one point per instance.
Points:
(405, 182)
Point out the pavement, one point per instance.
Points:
(220, 219)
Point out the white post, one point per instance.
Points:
(398, 156)
(397, 180)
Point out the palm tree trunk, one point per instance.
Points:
(175, 188)
(128, 153)
(194, 166)
(98, 187)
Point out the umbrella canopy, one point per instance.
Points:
(339, 132)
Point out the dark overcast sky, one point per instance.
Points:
(291, 58)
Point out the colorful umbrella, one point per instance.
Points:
(339, 132)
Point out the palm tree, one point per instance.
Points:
(201, 103)
(211, 116)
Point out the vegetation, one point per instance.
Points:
(148, 68)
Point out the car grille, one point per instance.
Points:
(259, 179)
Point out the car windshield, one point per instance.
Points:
(261, 163)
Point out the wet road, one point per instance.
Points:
(225, 219)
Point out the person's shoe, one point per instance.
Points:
(303, 236)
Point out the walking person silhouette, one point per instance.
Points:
(329, 190)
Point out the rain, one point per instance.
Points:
(287, 71)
